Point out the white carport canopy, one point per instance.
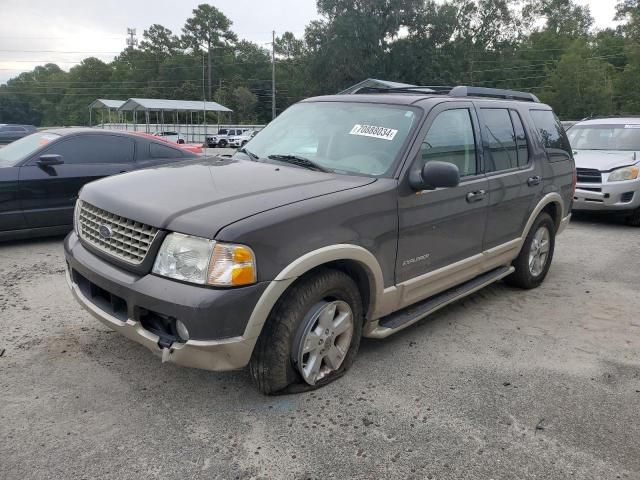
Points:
(159, 105)
(106, 104)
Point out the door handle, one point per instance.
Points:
(476, 196)
(532, 181)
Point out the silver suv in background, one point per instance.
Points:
(221, 139)
(241, 140)
(608, 166)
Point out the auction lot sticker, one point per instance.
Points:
(374, 132)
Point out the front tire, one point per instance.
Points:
(534, 261)
(222, 144)
(304, 344)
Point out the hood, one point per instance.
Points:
(604, 160)
(201, 197)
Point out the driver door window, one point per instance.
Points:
(451, 139)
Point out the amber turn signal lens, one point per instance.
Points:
(232, 266)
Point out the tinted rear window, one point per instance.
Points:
(553, 137)
(500, 139)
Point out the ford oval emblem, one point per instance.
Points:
(105, 231)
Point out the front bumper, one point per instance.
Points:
(614, 196)
(132, 297)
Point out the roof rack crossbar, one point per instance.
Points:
(460, 91)
(494, 93)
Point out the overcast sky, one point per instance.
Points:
(35, 32)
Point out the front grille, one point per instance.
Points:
(126, 239)
(589, 175)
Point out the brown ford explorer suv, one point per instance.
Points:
(348, 216)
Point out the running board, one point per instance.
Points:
(408, 316)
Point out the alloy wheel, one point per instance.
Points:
(539, 252)
(325, 340)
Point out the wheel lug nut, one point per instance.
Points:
(326, 332)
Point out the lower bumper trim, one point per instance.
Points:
(217, 355)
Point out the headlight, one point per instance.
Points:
(626, 173)
(76, 217)
(202, 261)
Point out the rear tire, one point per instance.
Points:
(634, 219)
(273, 366)
(534, 261)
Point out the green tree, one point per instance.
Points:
(628, 11)
(351, 40)
(208, 28)
(581, 85)
(159, 41)
(289, 46)
(244, 104)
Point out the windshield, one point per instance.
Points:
(605, 137)
(349, 138)
(20, 149)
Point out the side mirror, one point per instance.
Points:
(50, 160)
(434, 175)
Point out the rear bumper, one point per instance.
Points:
(615, 196)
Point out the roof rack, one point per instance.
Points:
(460, 91)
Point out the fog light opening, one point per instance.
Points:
(182, 330)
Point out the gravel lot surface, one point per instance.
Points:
(506, 384)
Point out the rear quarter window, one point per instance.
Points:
(163, 151)
(552, 135)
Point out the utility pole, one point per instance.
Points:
(132, 41)
(209, 65)
(273, 77)
(204, 103)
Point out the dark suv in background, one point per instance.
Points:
(347, 216)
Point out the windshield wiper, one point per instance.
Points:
(249, 154)
(299, 162)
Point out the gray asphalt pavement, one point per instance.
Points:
(507, 384)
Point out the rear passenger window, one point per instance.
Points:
(521, 139)
(451, 139)
(163, 151)
(500, 139)
(553, 137)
